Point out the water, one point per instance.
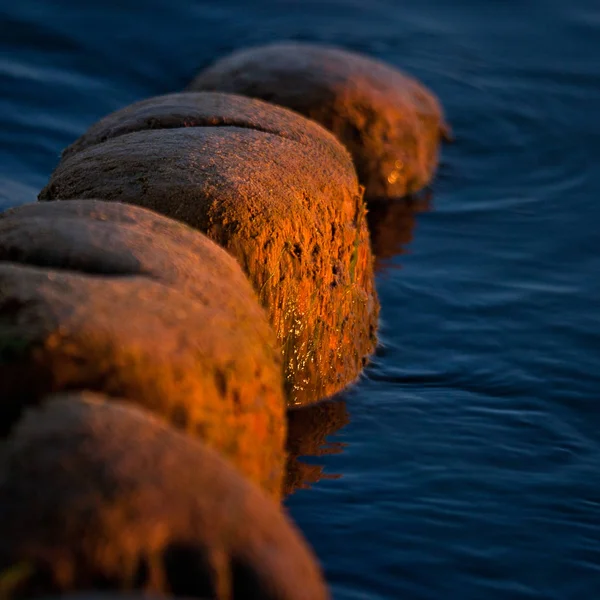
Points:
(469, 463)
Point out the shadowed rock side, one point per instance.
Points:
(308, 428)
(276, 190)
(102, 495)
(391, 124)
(116, 299)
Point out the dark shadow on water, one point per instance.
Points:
(391, 223)
(308, 428)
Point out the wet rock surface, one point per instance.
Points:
(116, 299)
(391, 124)
(275, 190)
(99, 494)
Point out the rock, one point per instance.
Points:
(116, 299)
(99, 494)
(308, 430)
(274, 189)
(116, 239)
(390, 123)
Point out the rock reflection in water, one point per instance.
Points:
(308, 429)
(391, 224)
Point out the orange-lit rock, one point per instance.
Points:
(114, 298)
(273, 188)
(390, 123)
(98, 494)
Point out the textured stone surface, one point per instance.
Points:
(390, 123)
(276, 190)
(207, 109)
(99, 494)
(114, 298)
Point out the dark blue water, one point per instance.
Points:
(469, 467)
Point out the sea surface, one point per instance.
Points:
(466, 462)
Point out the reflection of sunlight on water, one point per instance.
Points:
(391, 224)
(308, 429)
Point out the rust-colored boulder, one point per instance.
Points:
(273, 188)
(99, 494)
(390, 123)
(116, 299)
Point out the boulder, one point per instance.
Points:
(274, 189)
(97, 494)
(116, 299)
(391, 124)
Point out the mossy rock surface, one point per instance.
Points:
(391, 123)
(97, 493)
(274, 189)
(113, 298)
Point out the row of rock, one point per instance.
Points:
(275, 190)
(211, 270)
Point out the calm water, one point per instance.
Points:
(468, 466)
